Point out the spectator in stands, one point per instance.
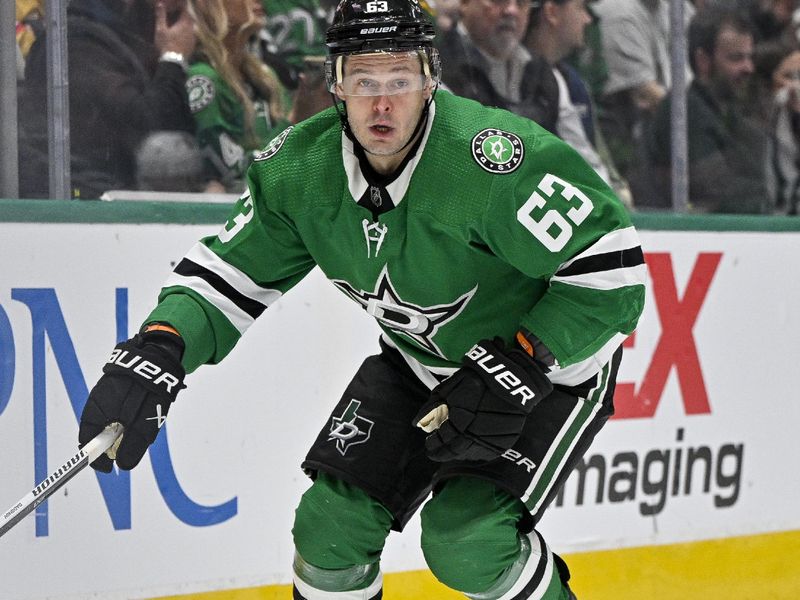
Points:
(127, 80)
(772, 19)
(555, 32)
(635, 40)
(590, 61)
(237, 101)
(726, 172)
(293, 38)
(446, 14)
(778, 70)
(486, 61)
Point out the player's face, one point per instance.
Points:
(385, 94)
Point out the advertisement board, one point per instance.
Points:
(701, 446)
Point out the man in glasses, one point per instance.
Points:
(487, 62)
(503, 273)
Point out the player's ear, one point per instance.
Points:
(339, 91)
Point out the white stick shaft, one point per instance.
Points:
(45, 488)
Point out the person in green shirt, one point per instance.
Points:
(296, 29)
(237, 101)
(504, 275)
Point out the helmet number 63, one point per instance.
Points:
(377, 6)
(552, 229)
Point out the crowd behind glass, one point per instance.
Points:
(179, 95)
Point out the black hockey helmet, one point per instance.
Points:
(367, 26)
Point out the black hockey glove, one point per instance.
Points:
(487, 402)
(139, 382)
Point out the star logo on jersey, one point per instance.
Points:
(420, 324)
(272, 148)
(350, 429)
(498, 151)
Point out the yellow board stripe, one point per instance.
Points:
(741, 568)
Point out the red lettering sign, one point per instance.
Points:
(676, 347)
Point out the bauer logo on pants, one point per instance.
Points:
(350, 429)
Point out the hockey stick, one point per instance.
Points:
(47, 487)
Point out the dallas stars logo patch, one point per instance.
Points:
(350, 429)
(418, 323)
(497, 151)
(272, 148)
(201, 92)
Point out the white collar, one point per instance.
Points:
(356, 181)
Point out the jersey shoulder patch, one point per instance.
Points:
(274, 146)
(498, 151)
(201, 91)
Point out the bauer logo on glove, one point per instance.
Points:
(140, 381)
(479, 412)
(144, 368)
(506, 378)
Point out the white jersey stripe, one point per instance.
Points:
(607, 280)
(238, 318)
(203, 256)
(579, 372)
(613, 241)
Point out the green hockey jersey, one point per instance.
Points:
(297, 29)
(220, 121)
(492, 224)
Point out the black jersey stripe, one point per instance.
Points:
(608, 261)
(189, 268)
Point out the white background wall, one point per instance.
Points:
(242, 427)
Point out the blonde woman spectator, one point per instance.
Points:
(237, 101)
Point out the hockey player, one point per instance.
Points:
(503, 273)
